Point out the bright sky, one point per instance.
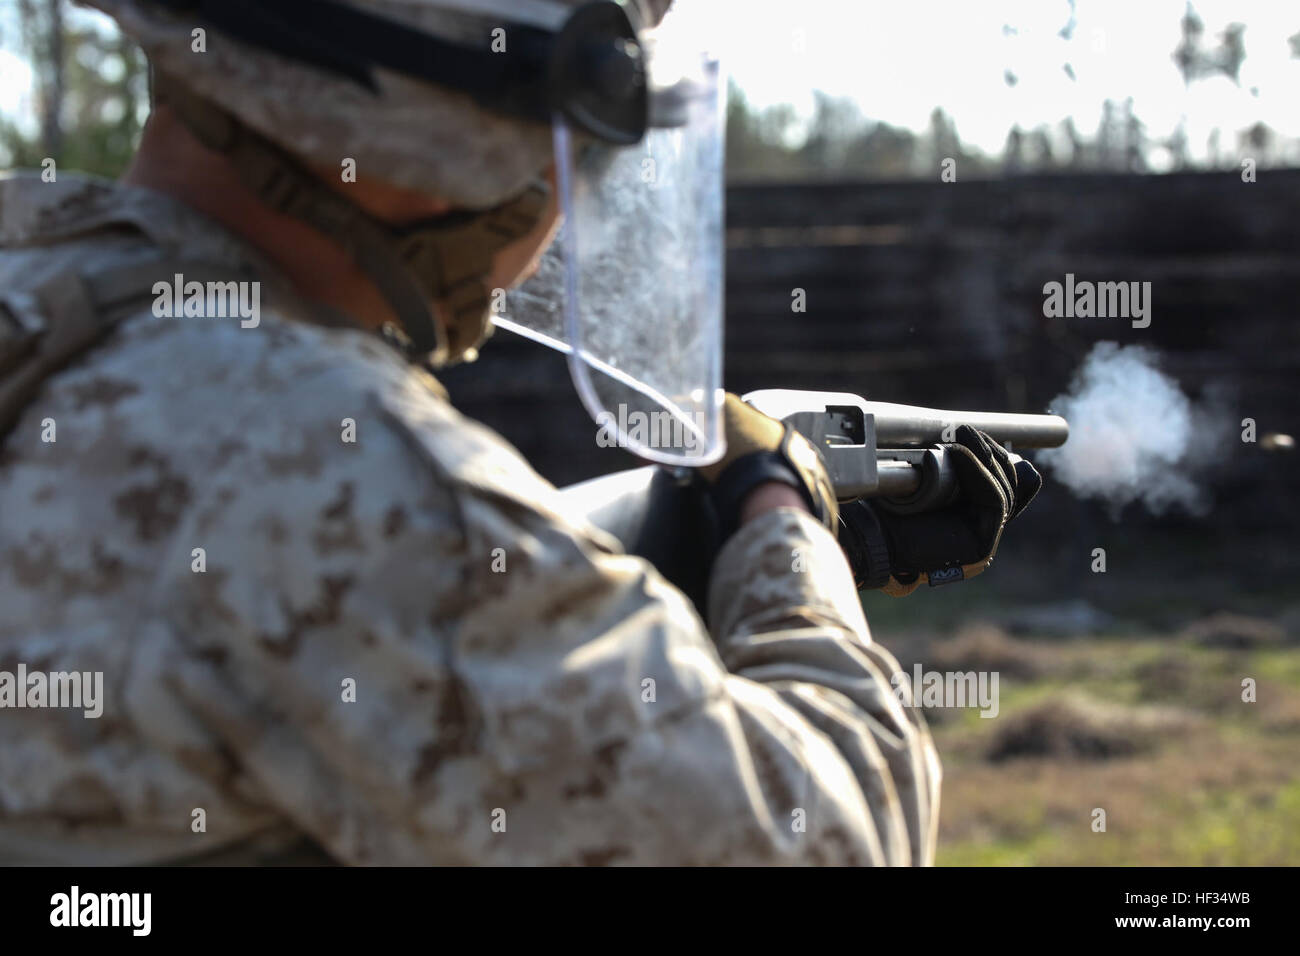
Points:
(900, 58)
(15, 82)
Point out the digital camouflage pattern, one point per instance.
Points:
(524, 693)
(411, 134)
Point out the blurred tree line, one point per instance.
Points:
(90, 92)
(838, 142)
(90, 99)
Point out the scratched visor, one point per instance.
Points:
(631, 290)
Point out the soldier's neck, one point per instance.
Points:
(171, 161)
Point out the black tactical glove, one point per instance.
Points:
(761, 449)
(896, 551)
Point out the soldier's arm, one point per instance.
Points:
(423, 664)
(785, 613)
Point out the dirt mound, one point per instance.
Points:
(988, 648)
(1077, 728)
(1235, 632)
(1168, 677)
(1211, 686)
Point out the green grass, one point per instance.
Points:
(1282, 666)
(1219, 829)
(1222, 788)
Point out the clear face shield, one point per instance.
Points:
(631, 290)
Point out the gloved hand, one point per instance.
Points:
(896, 551)
(762, 449)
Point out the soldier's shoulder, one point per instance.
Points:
(262, 380)
(344, 396)
(36, 210)
(29, 203)
(84, 218)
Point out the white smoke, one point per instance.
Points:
(1134, 435)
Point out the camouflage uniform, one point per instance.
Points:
(524, 693)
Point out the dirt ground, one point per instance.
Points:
(1147, 726)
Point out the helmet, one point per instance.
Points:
(471, 100)
(397, 127)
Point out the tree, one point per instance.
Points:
(1196, 61)
(91, 90)
(836, 123)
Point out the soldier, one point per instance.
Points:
(334, 618)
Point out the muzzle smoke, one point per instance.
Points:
(1134, 434)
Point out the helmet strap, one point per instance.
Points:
(445, 260)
